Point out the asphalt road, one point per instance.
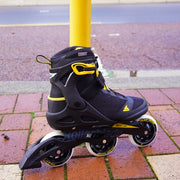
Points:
(105, 14)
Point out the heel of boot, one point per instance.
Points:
(56, 101)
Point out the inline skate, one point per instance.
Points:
(82, 109)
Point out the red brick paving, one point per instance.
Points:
(172, 94)
(7, 103)
(127, 161)
(81, 152)
(12, 150)
(83, 165)
(28, 103)
(162, 108)
(177, 140)
(16, 121)
(45, 102)
(87, 169)
(170, 121)
(39, 114)
(155, 97)
(177, 106)
(44, 173)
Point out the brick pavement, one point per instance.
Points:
(22, 122)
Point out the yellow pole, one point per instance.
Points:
(80, 23)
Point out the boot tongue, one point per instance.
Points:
(71, 55)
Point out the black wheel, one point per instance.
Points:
(149, 135)
(59, 157)
(102, 147)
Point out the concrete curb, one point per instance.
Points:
(66, 2)
(114, 79)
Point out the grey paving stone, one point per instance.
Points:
(10, 172)
(166, 167)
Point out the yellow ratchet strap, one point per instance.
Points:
(75, 66)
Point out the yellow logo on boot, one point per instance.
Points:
(125, 108)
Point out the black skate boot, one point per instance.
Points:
(84, 109)
(79, 97)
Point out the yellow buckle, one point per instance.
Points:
(77, 72)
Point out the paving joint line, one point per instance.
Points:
(174, 143)
(17, 96)
(108, 167)
(167, 96)
(169, 136)
(65, 172)
(1, 120)
(41, 102)
(5, 130)
(30, 131)
(163, 154)
(175, 107)
(145, 157)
